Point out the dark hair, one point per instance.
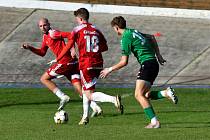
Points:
(82, 12)
(119, 21)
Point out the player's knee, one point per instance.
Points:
(89, 96)
(42, 79)
(138, 95)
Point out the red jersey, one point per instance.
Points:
(55, 41)
(91, 43)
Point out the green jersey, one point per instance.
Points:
(133, 41)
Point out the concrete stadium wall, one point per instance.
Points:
(183, 41)
(186, 4)
(108, 9)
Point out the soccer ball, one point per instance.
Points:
(61, 117)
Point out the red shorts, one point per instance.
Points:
(89, 78)
(70, 70)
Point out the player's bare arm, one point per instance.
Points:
(160, 59)
(123, 62)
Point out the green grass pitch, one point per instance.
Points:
(27, 114)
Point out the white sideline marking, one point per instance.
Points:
(113, 9)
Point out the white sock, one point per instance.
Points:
(101, 97)
(154, 120)
(86, 104)
(163, 93)
(94, 106)
(58, 93)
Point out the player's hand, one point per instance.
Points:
(104, 73)
(161, 60)
(51, 62)
(25, 46)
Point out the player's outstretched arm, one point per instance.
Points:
(161, 60)
(65, 50)
(69, 44)
(25, 46)
(123, 62)
(103, 47)
(39, 51)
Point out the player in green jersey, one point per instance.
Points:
(145, 49)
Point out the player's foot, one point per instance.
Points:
(156, 125)
(171, 95)
(119, 105)
(65, 99)
(84, 121)
(96, 113)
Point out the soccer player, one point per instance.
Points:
(91, 43)
(148, 55)
(67, 66)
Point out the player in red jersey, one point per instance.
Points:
(91, 43)
(67, 65)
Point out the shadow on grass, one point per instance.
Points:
(116, 114)
(158, 112)
(184, 111)
(186, 125)
(168, 112)
(34, 103)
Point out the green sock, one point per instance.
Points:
(149, 112)
(155, 95)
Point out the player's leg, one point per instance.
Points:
(77, 86)
(97, 111)
(73, 75)
(142, 88)
(89, 80)
(167, 93)
(86, 104)
(145, 78)
(53, 72)
(46, 80)
(102, 97)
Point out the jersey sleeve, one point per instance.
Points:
(151, 40)
(126, 46)
(40, 51)
(66, 35)
(69, 45)
(103, 42)
(54, 34)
